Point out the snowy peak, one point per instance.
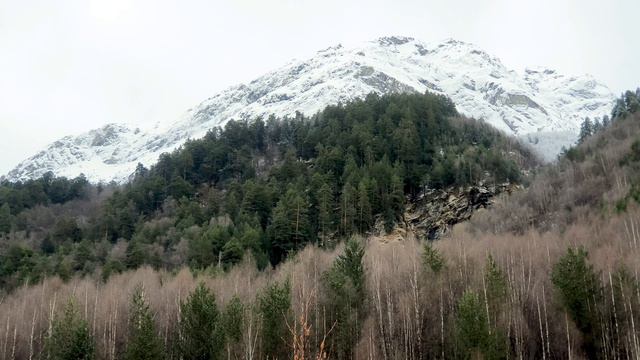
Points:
(540, 106)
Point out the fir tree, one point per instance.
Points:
(432, 259)
(143, 341)
(201, 334)
(232, 322)
(579, 289)
(364, 208)
(325, 211)
(5, 218)
(586, 130)
(473, 335)
(70, 338)
(274, 305)
(495, 284)
(348, 209)
(345, 283)
(290, 227)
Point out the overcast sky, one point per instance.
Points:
(67, 66)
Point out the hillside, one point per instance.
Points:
(548, 270)
(267, 188)
(541, 107)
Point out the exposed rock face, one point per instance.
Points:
(436, 211)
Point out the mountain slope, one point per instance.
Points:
(540, 106)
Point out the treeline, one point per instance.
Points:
(529, 296)
(626, 105)
(49, 189)
(271, 187)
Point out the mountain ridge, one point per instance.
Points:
(540, 106)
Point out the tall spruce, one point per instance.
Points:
(474, 338)
(143, 341)
(70, 338)
(200, 329)
(274, 305)
(345, 288)
(578, 287)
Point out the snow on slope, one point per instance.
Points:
(541, 106)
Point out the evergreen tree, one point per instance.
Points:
(348, 209)
(201, 334)
(345, 283)
(495, 283)
(274, 305)
(473, 335)
(432, 259)
(135, 255)
(586, 130)
(70, 338)
(6, 219)
(143, 341)
(325, 211)
(290, 227)
(579, 289)
(365, 219)
(232, 322)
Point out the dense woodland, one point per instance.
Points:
(264, 188)
(261, 241)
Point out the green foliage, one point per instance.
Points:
(70, 338)
(290, 228)
(345, 291)
(46, 190)
(495, 282)
(233, 325)
(265, 188)
(143, 341)
(274, 305)
(326, 206)
(627, 104)
(6, 220)
(16, 266)
(135, 255)
(473, 336)
(432, 259)
(201, 331)
(586, 129)
(579, 288)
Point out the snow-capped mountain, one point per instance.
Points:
(541, 106)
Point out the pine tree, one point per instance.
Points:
(364, 208)
(473, 335)
(495, 284)
(143, 341)
(232, 322)
(70, 338)
(274, 305)
(201, 334)
(579, 289)
(5, 218)
(325, 211)
(290, 227)
(348, 209)
(586, 130)
(135, 255)
(432, 259)
(345, 286)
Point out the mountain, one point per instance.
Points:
(540, 106)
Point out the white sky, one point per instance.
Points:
(68, 66)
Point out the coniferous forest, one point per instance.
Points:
(271, 239)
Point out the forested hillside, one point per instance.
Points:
(266, 188)
(549, 271)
